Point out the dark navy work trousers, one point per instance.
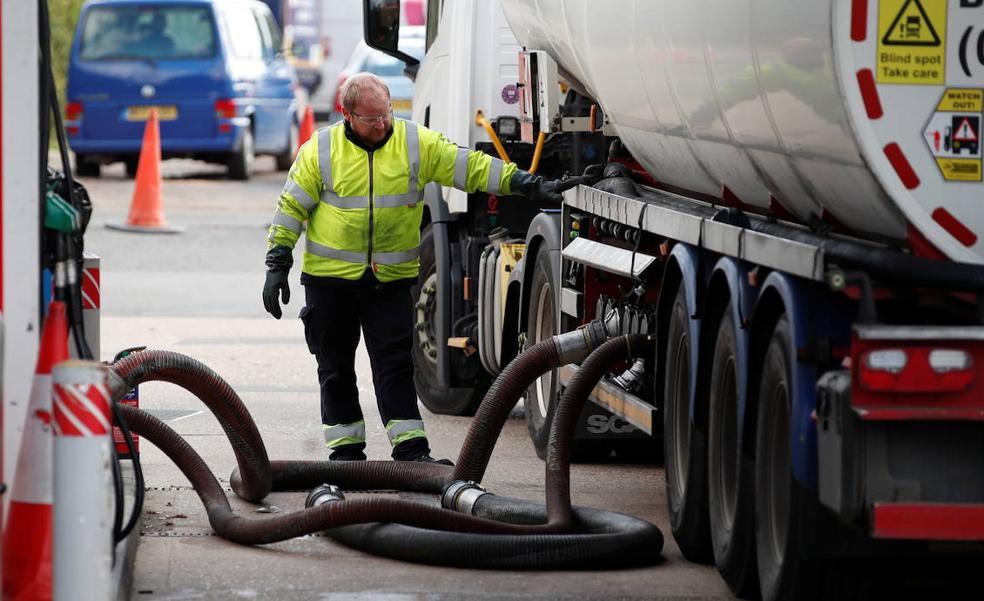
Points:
(335, 312)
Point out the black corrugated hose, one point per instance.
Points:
(559, 536)
(500, 533)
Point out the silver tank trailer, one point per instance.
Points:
(862, 112)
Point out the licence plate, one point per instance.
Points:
(401, 105)
(167, 112)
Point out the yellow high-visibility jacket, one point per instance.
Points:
(364, 208)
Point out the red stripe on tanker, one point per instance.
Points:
(902, 166)
(859, 20)
(869, 94)
(953, 225)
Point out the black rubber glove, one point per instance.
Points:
(278, 261)
(538, 189)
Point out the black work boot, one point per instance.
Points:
(348, 453)
(416, 449)
(428, 459)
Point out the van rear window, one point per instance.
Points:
(148, 32)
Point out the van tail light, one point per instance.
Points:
(73, 111)
(225, 109)
(73, 114)
(916, 370)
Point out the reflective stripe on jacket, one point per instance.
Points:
(364, 208)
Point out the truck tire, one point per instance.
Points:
(541, 396)
(85, 167)
(240, 162)
(445, 401)
(730, 471)
(130, 165)
(684, 442)
(286, 158)
(783, 514)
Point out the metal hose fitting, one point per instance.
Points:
(461, 496)
(325, 493)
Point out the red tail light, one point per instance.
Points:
(73, 111)
(225, 109)
(916, 370)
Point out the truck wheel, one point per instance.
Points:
(782, 513)
(130, 165)
(685, 447)
(542, 394)
(85, 167)
(446, 401)
(240, 164)
(286, 158)
(730, 471)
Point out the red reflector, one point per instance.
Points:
(869, 94)
(901, 165)
(929, 521)
(859, 20)
(225, 128)
(73, 111)
(225, 109)
(956, 229)
(72, 130)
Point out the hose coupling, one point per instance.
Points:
(461, 496)
(325, 493)
(631, 378)
(576, 345)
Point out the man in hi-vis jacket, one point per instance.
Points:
(360, 186)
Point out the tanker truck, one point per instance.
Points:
(787, 198)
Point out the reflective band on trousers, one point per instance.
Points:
(352, 256)
(343, 434)
(399, 430)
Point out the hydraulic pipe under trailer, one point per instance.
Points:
(472, 528)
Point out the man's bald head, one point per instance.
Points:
(360, 85)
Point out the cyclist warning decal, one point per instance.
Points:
(954, 134)
(911, 41)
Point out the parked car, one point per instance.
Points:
(214, 70)
(389, 69)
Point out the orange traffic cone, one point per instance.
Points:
(27, 541)
(307, 128)
(146, 208)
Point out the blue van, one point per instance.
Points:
(214, 69)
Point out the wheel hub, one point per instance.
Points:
(426, 311)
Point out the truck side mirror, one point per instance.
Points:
(382, 28)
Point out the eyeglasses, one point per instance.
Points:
(373, 120)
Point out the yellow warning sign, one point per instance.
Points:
(911, 41)
(960, 170)
(953, 134)
(962, 99)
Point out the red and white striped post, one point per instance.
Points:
(83, 488)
